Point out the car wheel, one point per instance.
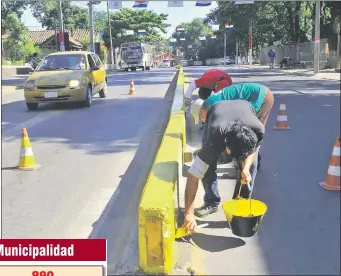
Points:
(148, 68)
(88, 97)
(103, 92)
(32, 106)
(126, 70)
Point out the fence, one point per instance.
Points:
(297, 52)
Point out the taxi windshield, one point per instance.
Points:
(63, 62)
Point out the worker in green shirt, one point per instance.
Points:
(259, 96)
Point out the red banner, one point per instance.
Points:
(53, 250)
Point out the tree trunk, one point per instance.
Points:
(297, 21)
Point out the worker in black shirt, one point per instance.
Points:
(231, 126)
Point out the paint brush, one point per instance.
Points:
(181, 232)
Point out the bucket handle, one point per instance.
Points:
(243, 182)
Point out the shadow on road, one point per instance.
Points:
(119, 221)
(99, 134)
(214, 243)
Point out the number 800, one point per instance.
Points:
(42, 273)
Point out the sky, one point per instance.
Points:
(175, 15)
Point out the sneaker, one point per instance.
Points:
(205, 210)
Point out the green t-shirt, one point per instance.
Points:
(251, 92)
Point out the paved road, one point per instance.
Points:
(300, 234)
(14, 80)
(92, 162)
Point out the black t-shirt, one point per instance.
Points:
(219, 117)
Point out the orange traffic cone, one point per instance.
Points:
(132, 88)
(27, 161)
(332, 181)
(282, 119)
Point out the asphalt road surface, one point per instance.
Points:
(92, 162)
(300, 233)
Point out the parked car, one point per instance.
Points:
(229, 60)
(166, 63)
(66, 77)
(184, 63)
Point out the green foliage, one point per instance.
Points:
(6, 62)
(73, 16)
(133, 19)
(30, 48)
(177, 66)
(17, 38)
(285, 21)
(193, 30)
(100, 20)
(7, 8)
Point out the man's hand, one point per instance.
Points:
(190, 224)
(246, 176)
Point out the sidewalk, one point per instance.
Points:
(329, 74)
(10, 88)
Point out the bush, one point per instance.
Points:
(6, 62)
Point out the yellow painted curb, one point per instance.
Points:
(157, 210)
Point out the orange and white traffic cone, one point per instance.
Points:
(132, 88)
(332, 181)
(27, 161)
(282, 118)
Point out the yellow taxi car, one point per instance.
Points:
(73, 76)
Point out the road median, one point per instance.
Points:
(157, 209)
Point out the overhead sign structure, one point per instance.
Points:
(182, 39)
(140, 4)
(202, 38)
(228, 26)
(190, 46)
(115, 5)
(175, 4)
(172, 39)
(203, 3)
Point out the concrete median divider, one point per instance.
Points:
(157, 209)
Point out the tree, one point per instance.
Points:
(134, 19)
(7, 8)
(17, 38)
(100, 20)
(73, 16)
(193, 30)
(285, 21)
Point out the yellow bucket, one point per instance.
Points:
(244, 216)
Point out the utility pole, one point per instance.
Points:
(317, 38)
(91, 21)
(224, 48)
(61, 27)
(250, 42)
(237, 46)
(112, 59)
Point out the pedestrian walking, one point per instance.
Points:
(271, 55)
(231, 127)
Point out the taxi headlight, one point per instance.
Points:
(75, 83)
(29, 84)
